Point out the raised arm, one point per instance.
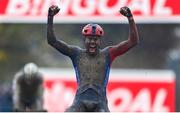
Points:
(60, 45)
(133, 38)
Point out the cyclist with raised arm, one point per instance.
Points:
(92, 64)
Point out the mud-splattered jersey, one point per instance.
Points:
(92, 69)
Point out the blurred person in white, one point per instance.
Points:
(28, 89)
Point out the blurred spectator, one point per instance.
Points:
(5, 98)
(173, 62)
(28, 89)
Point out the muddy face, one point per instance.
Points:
(92, 44)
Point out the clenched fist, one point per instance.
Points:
(125, 11)
(53, 10)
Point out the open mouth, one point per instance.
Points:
(92, 50)
(92, 46)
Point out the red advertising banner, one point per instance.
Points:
(80, 11)
(128, 90)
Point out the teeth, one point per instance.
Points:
(92, 45)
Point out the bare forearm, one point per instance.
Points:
(133, 32)
(133, 38)
(60, 45)
(50, 31)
